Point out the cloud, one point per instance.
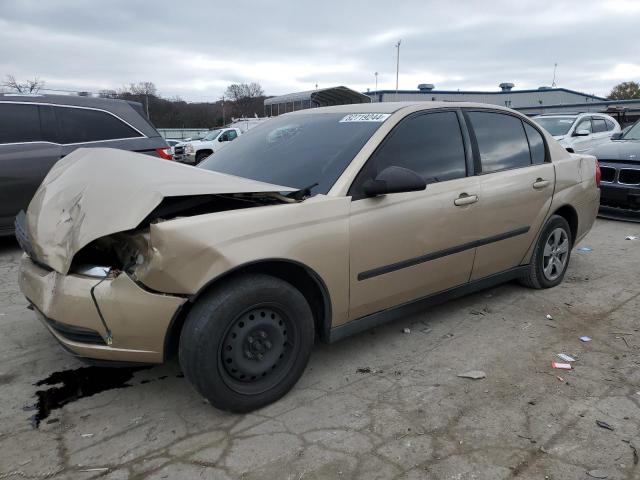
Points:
(195, 50)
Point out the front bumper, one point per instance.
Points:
(137, 318)
(185, 157)
(620, 202)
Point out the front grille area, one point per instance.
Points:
(178, 150)
(629, 176)
(608, 174)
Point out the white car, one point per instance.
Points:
(195, 151)
(579, 133)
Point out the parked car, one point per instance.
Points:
(38, 130)
(195, 151)
(620, 165)
(579, 133)
(320, 222)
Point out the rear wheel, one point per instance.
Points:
(551, 255)
(246, 343)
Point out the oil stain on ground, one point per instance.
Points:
(70, 385)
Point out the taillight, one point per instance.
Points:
(598, 174)
(164, 153)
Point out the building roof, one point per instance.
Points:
(392, 107)
(322, 96)
(491, 92)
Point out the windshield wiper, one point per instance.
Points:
(302, 193)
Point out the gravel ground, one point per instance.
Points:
(382, 404)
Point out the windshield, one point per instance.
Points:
(556, 126)
(633, 133)
(211, 135)
(297, 150)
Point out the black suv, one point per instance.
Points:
(38, 130)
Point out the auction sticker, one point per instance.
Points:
(365, 117)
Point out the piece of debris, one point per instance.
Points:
(561, 366)
(87, 435)
(566, 358)
(363, 370)
(560, 378)
(97, 469)
(602, 424)
(406, 330)
(585, 249)
(473, 374)
(476, 312)
(597, 473)
(549, 317)
(585, 339)
(631, 237)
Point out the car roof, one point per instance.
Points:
(392, 107)
(129, 111)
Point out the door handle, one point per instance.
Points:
(540, 183)
(465, 199)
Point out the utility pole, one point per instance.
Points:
(397, 66)
(553, 82)
(376, 74)
(223, 110)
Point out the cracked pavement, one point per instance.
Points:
(410, 417)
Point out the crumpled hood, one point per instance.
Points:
(94, 192)
(618, 150)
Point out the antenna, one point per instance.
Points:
(553, 82)
(397, 66)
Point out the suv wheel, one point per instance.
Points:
(246, 343)
(551, 255)
(200, 156)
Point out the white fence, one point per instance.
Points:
(181, 133)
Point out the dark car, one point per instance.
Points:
(620, 166)
(38, 130)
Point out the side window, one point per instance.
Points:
(19, 123)
(502, 142)
(536, 144)
(584, 125)
(599, 125)
(77, 125)
(429, 144)
(232, 134)
(610, 124)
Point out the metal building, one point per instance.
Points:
(311, 99)
(506, 96)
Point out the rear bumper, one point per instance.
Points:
(138, 319)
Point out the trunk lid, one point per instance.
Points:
(94, 192)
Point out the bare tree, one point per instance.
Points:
(246, 97)
(108, 93)
(29, 86)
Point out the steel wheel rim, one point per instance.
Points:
(257, 349)
(555, 254)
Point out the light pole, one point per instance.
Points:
(397, 65)
(376, 74)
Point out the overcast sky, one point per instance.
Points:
(195, 49)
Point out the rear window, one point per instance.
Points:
(502, 142)
(610, 124)
(78, 125)
(19, 123)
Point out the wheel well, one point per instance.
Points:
(301, 277)
(569, 214)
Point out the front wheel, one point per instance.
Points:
(551, 255)
(247, 342)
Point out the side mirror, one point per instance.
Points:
(617, 136)
(581, 133)
(394, 180)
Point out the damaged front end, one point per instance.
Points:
(88, 234)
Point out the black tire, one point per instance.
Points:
(536, 276)
(246, 342)
(200, 156)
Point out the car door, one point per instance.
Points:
(517, 182)
(582, 144)
(27, 153)
(404, 246)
